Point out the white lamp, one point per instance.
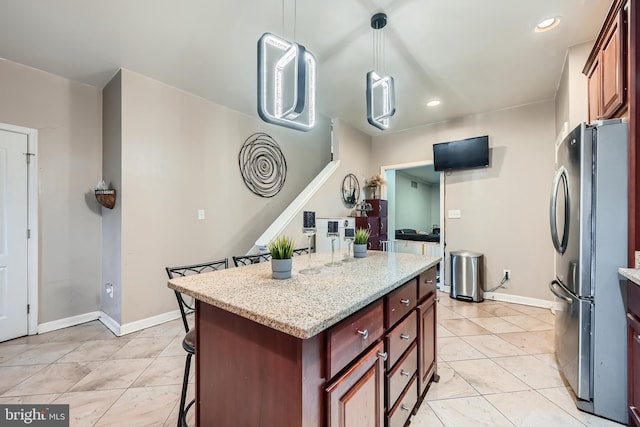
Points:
(381, 104)
(286, 83)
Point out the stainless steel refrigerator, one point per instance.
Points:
(588, 218)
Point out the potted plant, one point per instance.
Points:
(281, 250)
(360, 243)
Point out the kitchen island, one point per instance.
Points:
(349, 346)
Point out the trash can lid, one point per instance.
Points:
(469, 254)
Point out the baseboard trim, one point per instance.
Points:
(534, 302)
(67, 322)
(138, 325)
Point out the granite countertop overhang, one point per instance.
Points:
(306, 304)
(633, 274)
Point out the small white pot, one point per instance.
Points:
(360, 250)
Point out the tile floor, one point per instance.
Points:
(496, 366)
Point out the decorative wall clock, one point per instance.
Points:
(350, 190)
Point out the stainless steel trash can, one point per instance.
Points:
(466, 276)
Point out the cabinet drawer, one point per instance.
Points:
(400, 376)
(400, 302)
(400, 338)
(379, 207)
(347, 339)
(634, 298)
(402, 411)
(426, 283)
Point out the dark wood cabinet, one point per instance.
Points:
(427, 351)
(375, 222)
(356, 398)
(633, 349)
(606, 68)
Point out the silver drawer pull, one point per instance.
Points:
(365, 334)
(404, 373)
(429, 281)
(404, 407)
(405, 302)
(404, 337)
(383, 356)
(637, 338)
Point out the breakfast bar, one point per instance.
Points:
(353, 345)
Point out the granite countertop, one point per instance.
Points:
(632, 274)
(306, 304)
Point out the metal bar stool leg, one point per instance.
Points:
(182, 418)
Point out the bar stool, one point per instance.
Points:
(189, 341)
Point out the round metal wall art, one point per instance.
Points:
(262, 165)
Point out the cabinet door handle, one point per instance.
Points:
(404, 373)
(404, 407)
(406, 302)
(369, 245)
(365, 334)
(428, 281)
(383, 356)
(405, 337)
(637, 338)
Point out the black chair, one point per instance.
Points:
(189, 341)
(301, 251)
(239, 261)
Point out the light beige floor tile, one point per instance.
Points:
(500, 309)
(534, 372)
(470, 310)
(144, 406)
(55, 378)
(444, 312)
(113, 374)
(492, 346)
(92, 351)
(547, 316)
(141, 348)
(496, 325)
(487, 377)
(425, 417)
(451, 385)
(530, 409)
(441, 332)
(530, 310)
(79, 333)
(454, 348)
(172, 420)
(528, 323)
(468, 412)
(34, 399)
(535, 342)
(38, 338)
(10, 376)
(167, 329)
(163, 371)
(564, 398)
(108, 335)
(174, 348)
(462, 327)
(9, 350)
(86, 407)
(38, 354)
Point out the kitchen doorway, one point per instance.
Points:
(415, 194)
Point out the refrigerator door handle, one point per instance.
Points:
(561, 178)
(555, 292)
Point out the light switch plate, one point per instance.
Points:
(454, 213)
(200, 213)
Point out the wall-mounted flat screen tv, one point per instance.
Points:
(462, 154)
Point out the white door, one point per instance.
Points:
(13, 235)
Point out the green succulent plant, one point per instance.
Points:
(281, 248)
(361, 237)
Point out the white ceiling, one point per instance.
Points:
(475, 55)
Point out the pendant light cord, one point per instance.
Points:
(295, 18)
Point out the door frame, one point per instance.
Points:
(32, 222)
(391, 220)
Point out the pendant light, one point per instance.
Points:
(381, 104)
(286, 83)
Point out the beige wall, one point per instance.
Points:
(353, 149)
(505, 206)
(67, 116)
(180, 154)
(571, 101)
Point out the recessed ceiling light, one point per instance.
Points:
(433, 103)
(547, 24)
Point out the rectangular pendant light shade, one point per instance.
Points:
(286, 83)
(381, 104)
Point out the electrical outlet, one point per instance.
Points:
(506, 274)
(109, 289)
(201, 214)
